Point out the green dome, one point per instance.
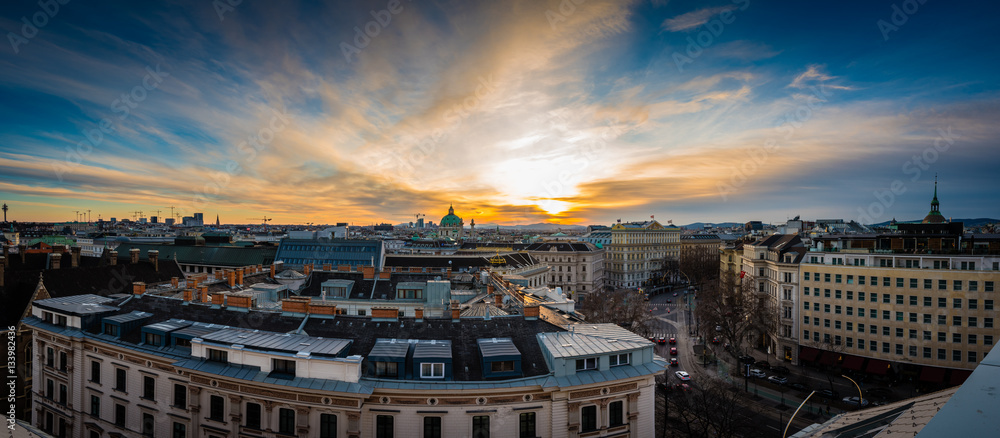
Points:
(450, 220)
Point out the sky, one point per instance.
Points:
(512, 111)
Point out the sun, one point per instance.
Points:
(553, 207)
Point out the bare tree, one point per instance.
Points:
(625, 307)
(700, 264)
(715, 409)
(734, 309)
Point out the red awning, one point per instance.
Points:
(958, 376)
(876, 366)
(828, 358)
(932, 374)
(853, 362)
(808, 354)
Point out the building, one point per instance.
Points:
(773, 264)
(576, 267)
(296, 253)
(196, 255)
(130, 366)
(638, 251)
(451, 225)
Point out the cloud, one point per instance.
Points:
(693, 19)
(814, 75)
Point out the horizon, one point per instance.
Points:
(516, 112)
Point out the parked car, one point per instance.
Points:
(797, 386)
(854, 401)
(763, 365)
(672, 341)
(715, 340)
(675, 294)
(757, 373)
(673, 351)
(682, 387)
(777, 380)
(827, 393)
(780, 369)
(683, 375)
(673, 362)
(747, 359)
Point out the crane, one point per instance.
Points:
(88, 216)
(136, 213)
(264, 220)
(416, 218)
(171, 211)
(77, 217)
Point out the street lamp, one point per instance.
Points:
(861, 399)
(783, 435)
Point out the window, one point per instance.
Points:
(837, 278)
(616, 413)
(942, 284)
(913, 317)
(942, 302)
(615, 359)
(148, 388)
(885, 330)
(988, 304)
(927, 301)
(988, 286)
(286, 421)
(927, 335)
(956, 338)
(826, 278)
(50, 357)
(972, 339)
(942, 354)
(850, 295)
(62, 361)
(885, 314)
(253, 416)
(972, 356)
(899, 332)
(387, 369)
(973, 304)
(913, 300)
(589, 363)
(899, 316)
(527, 425)
(384, 426)
(957, 303)
(861, 296)
(218, 355)
(180, 396)
(837, 309)
(432, 427)
(217, 406)
(899, 282)
(362, 312)
(180, 430)
(861, 280)
(886, 281)
(120, 379)
(942, 319)
(826, 293)
(283, 368)
(956, 320)
(913, 334)
(956, 355)
(913, 283)
(913, 350)
(941, 337)
(861, 312)
(987, 339)
(850, 311)
(850, 279)
(886, 298)
(95, 371)
(119, 415)
(588, 416)
(927, 352)
(154, 339)
(927, 283)
(328, 426)
(826, 308)
(432, 370)
(885, 347)
(956, 284)
(988, 322)
(110, 329)
(95, 406)
(506, 366)
(148, 424)
(973, 286)
(481, 426)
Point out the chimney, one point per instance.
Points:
(138, 288)
(203, 293)
(230, 278)
(531, 312)
(419, 314)
(368, 272)
(192, 282)
(75, 254)
(272, 270)
(219, 299)
(175, 282)
(449, 272)
(3, 264)
(133, 255)
(114, 257)
(497, 300)
(385, 313)
(455, 312)
(154, 258)
(188, 295)
(58, 248)
(56, 258)
(239, 276)
(22, 249)
(327, 267)
(307, 268)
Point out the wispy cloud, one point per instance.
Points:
(693, 19)
(813, 76)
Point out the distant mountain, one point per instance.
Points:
(701, 225)
(967, 222)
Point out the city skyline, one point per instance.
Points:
(515, 112)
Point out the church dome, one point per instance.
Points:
(450, 219)
(935, 216)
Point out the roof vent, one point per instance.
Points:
(392, 341)
(494, 340)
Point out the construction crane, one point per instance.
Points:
(136, 213)
(172, 211)
(88, 216)
(264, 220)
(77, 217)
(158, 213)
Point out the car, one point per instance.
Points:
(715, 340)
(780, 369)
(763, 365)
(747, 359)
(669, 300)
(673, 351)
(757, 373)
(673, 362)
(777, 380)
(675, 294)
(682, 387)
(797, 386)
(854, 401)
(828, 393)
(718, 328)
(661, 340)
(683, 375)
(672, 341)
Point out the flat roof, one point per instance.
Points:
(129, 317)
(199, 329)
(77, 304)
(169, 325)
(270, 341)
(591, 339)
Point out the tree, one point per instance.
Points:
(625, 307)
(715, 409)
(734, 309)
(700, 264)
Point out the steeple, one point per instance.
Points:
(934, 216)
(451, 208)
(935, 205)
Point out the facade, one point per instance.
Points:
(451, 225)
(637, 251)
(773, 264)
(576, 267)
(131, 367)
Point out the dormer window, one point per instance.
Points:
(504, 366)
(47, 317)
(338, 292)
(432, 370)
(154, 339)
(589, 363)
(218, 355)
(110, 329)
(282, 368)
(387, 370)
(620, 359)
(411, 294)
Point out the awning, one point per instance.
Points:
(853, 362)
(828, 358)
(876, 366)
(808, 354)
(958, 376)
(932, 374)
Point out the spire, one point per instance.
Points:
(451, 208)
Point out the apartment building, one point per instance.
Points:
(773, 264)
(148, 365)
(576, 267)
(637, 252)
